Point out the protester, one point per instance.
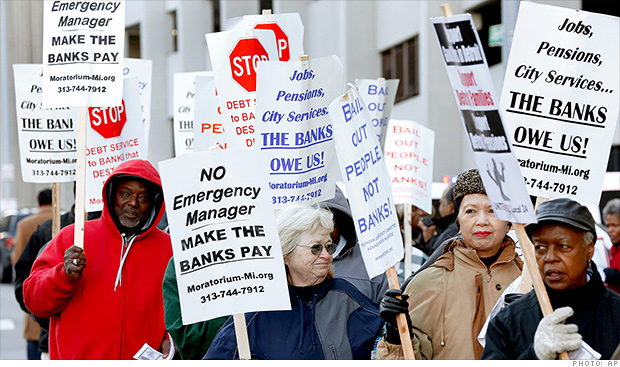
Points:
(449, 302)
(584, 308)
(329, 317)
(611, 216)
(418, 257)
(347, 259)
(25, 228)
(105, 300)
(191, 341)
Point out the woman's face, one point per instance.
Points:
(612, 222)
(306, 269)
(480, 229)
(562, 256)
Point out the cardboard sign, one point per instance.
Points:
(142, 69)
(409, 160)
(379, 96)
(235, 56)
(184, 110)
(294, 129)
(287, 29)
(208, 128)
(83, 45)
(47, 143)
(475, 96)
(227, 253)
(560, 99)
(114, 135)
(367, 181)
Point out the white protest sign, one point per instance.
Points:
(235, 56)
(142, 69)
(208, 128)
(475, 95)
(287, 29)
(560, 99)
(47, 142)
(227, 253)
(408, 156)
(368, 184)
(114, 135)
(184, 90)
(378, 94)
(294, 129)
(83, 45)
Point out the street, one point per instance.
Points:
(12, 343)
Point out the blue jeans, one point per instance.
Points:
(33, 350)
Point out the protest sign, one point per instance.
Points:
(114, 135)
(83, 45)
(409, 160)
(235, 56)
(475, 96)
(208, 128)
(227, 253)
(367, 181)
(184, 110)
(560, 99)
(378, 94)
(47, 139)
(142, 69)
(294, 129)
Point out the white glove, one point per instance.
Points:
(553, 337)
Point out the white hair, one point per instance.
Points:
(296, 218)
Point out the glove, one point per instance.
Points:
(553, 337)
(389, 308)
(612, 276)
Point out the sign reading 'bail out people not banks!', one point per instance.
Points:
(473, 89)
(379, 95)
(560, 99)
(227, 253)
(83, 43)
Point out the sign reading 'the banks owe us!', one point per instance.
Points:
(476, 99)
(560, 99)
(227, 253)
(83, 43)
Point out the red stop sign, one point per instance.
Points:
(284, 53)
(243, 59)
(108, 121)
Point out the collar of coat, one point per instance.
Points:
(446, 260)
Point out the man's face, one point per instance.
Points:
(562, 256)
(132, 203)
(612, 221)
(445, 207)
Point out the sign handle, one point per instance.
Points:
(266, 11)
(303, 58)
(401, 319)
(55, 208)
(526, 279)
(80, 177)
(408, 240)
(446, 10)
(241, 331)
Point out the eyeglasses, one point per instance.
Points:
(318, 248)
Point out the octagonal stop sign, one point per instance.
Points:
(243, 59)
(108, 121)
(284, 53)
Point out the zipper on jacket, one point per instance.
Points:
(123, 301)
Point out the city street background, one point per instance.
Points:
(12, 343)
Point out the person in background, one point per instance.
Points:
(25, 228)
(105, 301)
(329, 317)
(347, 260)
(448, 302)
(611, 218)
(584, 309)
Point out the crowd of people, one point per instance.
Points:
(105, 300)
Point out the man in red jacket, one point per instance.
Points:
(105, 301)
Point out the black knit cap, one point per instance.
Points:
(467, 183)
(563, 211)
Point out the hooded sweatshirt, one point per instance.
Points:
(117, 304)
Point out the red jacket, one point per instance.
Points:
(89, 318)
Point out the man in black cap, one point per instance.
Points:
(585, 310)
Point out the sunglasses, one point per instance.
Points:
(318, 248)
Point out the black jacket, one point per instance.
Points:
(511, 333)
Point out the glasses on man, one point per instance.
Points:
(318, 248)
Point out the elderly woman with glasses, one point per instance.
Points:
(329, 317)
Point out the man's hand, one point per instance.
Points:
(427, 231)
(165, 348)
(552, 337)
(75, 262)
(389, 308)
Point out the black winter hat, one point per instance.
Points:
(563, 211)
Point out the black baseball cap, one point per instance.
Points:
(563, 211)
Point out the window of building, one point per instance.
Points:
(132, 35)
(609, 7)
(216, 15)
(175, 31)
(266, 4)
(486, 16)
(613, 164)
(401, 62)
